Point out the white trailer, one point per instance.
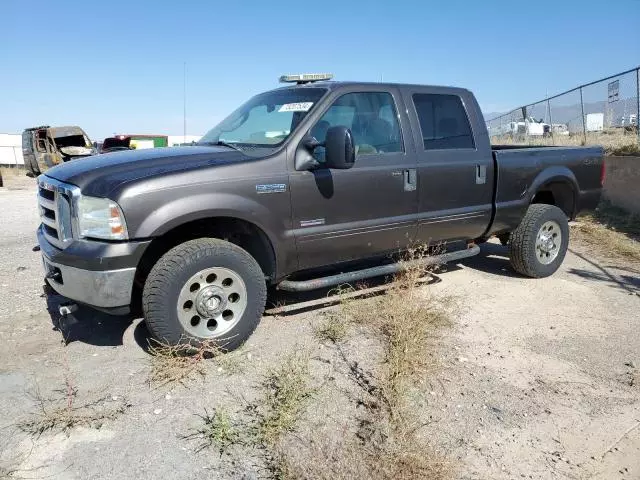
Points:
(11, 149)
(594, 122)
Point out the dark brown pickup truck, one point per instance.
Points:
(307, 176)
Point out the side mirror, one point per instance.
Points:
(340, 151)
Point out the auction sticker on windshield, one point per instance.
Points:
(296, 107)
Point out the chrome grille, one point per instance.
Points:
(55, 201)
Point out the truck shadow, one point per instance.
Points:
(493, 259)
(100, 329)
(92, 327)
(623, 278)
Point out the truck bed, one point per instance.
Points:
(519, 147)
(572, 175)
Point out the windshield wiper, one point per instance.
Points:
(222, 143)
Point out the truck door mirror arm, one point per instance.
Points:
(339, 150)
(304, 154)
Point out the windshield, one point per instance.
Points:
(266, 120)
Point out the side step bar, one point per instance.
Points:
(341, 297)
(340, 278)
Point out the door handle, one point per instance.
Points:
(410, 180)
(481, 174)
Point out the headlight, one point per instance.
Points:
(100, 218)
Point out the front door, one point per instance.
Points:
(369, 209)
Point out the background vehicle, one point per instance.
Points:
(45, 147)
(128, 142)
(530, 126)
(560, 129)
(294, 181)
(594, 122)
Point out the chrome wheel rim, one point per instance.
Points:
(548, 242)
(212, 302)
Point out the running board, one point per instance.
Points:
(341, 297)
(341, 278)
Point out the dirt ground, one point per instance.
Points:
(535, 378)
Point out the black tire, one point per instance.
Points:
(172, 271)
(522, 242)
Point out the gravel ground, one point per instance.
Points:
(536, 378)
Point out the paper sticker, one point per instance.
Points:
(296, 107)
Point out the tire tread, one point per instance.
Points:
(164, 272)
(522, 242)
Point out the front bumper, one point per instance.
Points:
(105, 289)
(98, 274)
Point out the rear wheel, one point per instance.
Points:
(204, 290)
(539, 244)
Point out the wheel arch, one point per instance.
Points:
(556, 186)
(243, 233)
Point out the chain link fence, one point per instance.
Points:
(605, 112)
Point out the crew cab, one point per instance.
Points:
(310, 175)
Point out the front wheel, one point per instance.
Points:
(539, 244)
(204, 290)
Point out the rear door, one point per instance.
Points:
(455, 164)
(369, 209)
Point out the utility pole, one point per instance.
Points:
(184, 101)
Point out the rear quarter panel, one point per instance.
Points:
(521, 173)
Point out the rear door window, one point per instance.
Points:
(443, 122)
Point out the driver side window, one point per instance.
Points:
(372, 119)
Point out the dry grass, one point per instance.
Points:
(180, 363)
(285, 394)
(331, 329)
(330, 456)
(217, 431)
(407, 319)
(386, 441)
(387, 444)
(62, 414)
(11, 171)
(286, 391)
(614, 142)
(610, 230)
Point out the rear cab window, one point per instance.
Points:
(444, 123)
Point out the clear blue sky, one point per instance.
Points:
(117, 66)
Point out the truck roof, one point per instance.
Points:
(332, 85)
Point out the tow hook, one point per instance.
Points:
(54, 275)
(67, 309)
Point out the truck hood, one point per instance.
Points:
(99, 175)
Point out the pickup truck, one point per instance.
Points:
(306, 176)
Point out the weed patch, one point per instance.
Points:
(387, 445)
(610, 230)
(217, 431)
(332, 329)
(172, 364)
(62, 413)
(286, 391)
